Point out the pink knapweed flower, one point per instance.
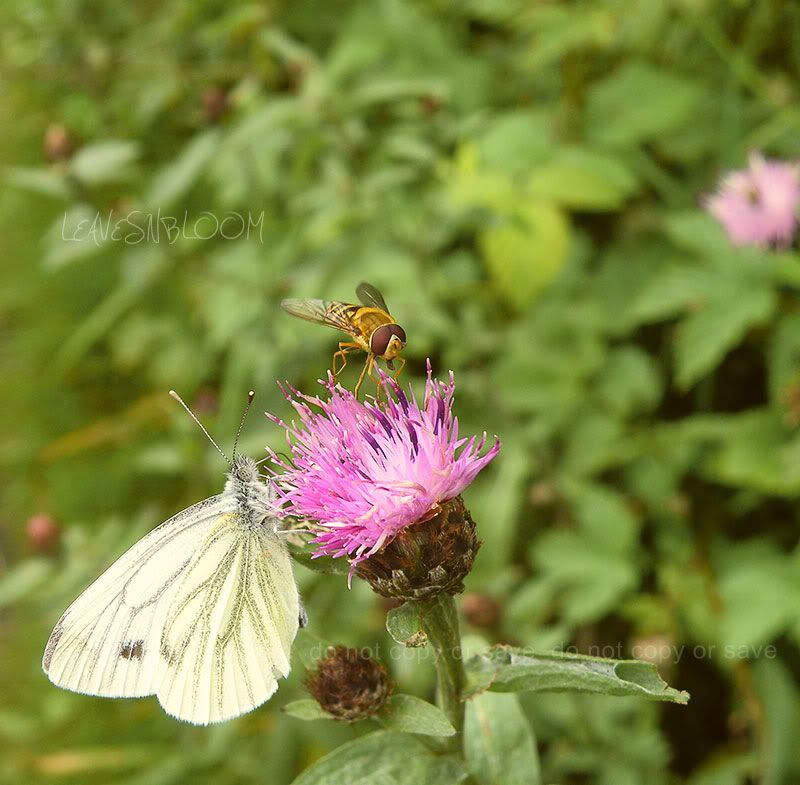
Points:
(367, 470)
(758, 206)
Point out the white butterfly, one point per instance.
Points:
(201, 612)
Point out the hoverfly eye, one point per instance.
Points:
(379, 340)
(399, 332)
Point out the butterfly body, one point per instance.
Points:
(201, 612)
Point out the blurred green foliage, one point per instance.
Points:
(522, 181)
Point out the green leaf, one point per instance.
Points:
(387, 758)
(707, 335)
(405, 625)
(509, 669)
(23, 579)
(760, 592)
(498, 742)
(44, 182)
(581, 179)
(174, 180)
(525, 251)
(306, 709)
(104, 162)
(638, 102)
(409, 714)
(326, 565)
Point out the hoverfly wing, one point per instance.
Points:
(368, 295)
(328, 312)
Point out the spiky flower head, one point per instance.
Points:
(757, 206)
(368, 471)
(349, 684)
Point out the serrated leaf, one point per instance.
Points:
(306, 709)
(404, 624)
(525, 251)
(387, 758)
(410, 714)
(509, 669)
(104, 162)
(498, 742)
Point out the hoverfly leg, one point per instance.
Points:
(364, 371)
(344, 348)
(401, 363)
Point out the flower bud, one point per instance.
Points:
(482, 611)
(215, 103)
(43, 533)
(348, 684)
(58, 144)
(426, 558)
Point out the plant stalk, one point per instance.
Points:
(440, 624)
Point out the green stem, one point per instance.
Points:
(440, 624)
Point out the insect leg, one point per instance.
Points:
(367, 366)
(402, 364)
(344, 348)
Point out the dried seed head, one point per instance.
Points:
(348, 684)
(427, 558)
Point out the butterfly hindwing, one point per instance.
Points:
(228, 635)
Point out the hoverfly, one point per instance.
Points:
(370, 324)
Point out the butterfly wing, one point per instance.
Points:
(128, 634)
(228, 634)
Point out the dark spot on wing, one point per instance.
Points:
(55, 637)
(132, 650)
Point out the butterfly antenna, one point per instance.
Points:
(200, 425)
(250, 397)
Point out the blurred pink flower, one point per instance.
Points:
(366, 471)
(758, 205)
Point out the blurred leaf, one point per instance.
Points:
(385, 757)
(46, 182)
(663, 102)
(174, 180)
(498, 743)
(707, 335)
(409, 714)
(104, 162)
(581, 179)
(306, 709)
(507, 669)
(22, 579)
(760, 595)
(525, 251)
